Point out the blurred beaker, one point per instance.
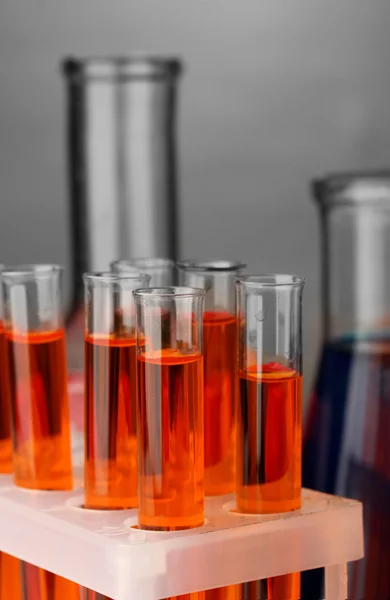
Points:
(160, 270)
(122, 178)
(347, 434)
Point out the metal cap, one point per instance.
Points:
(136, 66)
(364, 187)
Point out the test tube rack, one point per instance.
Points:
(104, 551)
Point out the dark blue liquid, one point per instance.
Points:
(347, 452)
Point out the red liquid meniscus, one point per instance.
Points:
(220, 388)
(111, 476)
(170, 398)
(39, 402)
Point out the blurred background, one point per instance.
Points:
(273, 94)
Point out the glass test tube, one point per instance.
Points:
(9, 565)
(220, 367)
(269, 426)
(170, 408)
(160, 270)
(38, 379)
(39, 400)
(110, 474)
(5, 400)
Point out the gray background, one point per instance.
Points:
(275, 92)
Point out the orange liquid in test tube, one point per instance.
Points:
(5, 409)
(220, 386)
(170, 388)
(10, 588)
(231, 592)
(269, 454)
(38, 584)
(39, 397)
(10, 582)
(111, 476)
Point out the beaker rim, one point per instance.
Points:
(171, 291)
(210, 265)
(138, 65)
(109, 277)
(354, 188)
(24, 272)
(270, 280)
(151, 263)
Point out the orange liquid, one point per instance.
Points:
(269, 442)
(42, 585)
(231, 592)
(5, 409)
(171, 469)
(285, 587)
(220, 386)
(9, 574)
(39, 401)
(192, 596)
(111, 478)
(91, 595)
(10, 583)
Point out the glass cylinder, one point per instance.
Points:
(345, 449)
(160, 270)
(270, 393)
(5, 399)
(121, 115)
(110, 473)
(38, 377)
(354, 214)
(220, 367)
(269, 420)
(170, 407)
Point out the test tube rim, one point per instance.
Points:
(28, 272)
(151, 263)
(270, 280)
(135, 66)
(209, 266)
(108, 278)
(169, 292)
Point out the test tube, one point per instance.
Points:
(5, 400)
(220, 367)
(160, 270)
(38, 378)
(110, 474)
(269, 425)
(170, 408)
(39, 400)
(9, 566)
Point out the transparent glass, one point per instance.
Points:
(5, 400)
(38, 377)
(269, 419)
(110, 470)
(9, 566)
(345, 449)
(220, 367)
(160, 270)
(170, 407)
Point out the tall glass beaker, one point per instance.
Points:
(122, 167)
(122, 177)
(347, 436)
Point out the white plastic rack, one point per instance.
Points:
(104, 550)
